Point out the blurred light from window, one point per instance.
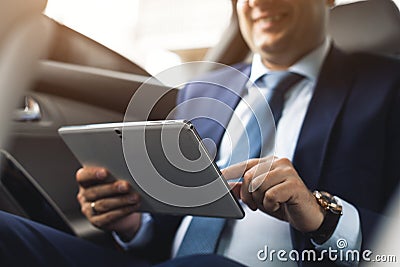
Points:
(153, 33)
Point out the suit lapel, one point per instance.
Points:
(333, 85)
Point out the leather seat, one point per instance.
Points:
(371, 26)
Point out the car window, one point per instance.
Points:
(154, 34)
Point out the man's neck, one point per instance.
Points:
(309, 65)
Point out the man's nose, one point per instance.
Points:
(252, 3)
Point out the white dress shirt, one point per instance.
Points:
(242, 239)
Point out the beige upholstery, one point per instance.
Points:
(24, 38)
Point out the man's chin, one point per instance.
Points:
(272, 44)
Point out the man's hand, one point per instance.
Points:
(108, 203)
(273, 186)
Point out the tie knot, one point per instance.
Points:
(281, 81)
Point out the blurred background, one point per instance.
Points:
(152, 33)
(81, 81)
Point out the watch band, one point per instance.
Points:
(331, 219)
(326, 229)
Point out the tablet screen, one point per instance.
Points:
(165, 161)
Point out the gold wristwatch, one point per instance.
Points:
(332, 216)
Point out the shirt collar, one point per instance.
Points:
(309, 66)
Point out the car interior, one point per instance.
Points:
(70, 79)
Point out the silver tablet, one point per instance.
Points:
(165, 161)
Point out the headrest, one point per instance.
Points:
(372, 26)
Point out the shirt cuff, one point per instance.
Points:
(142, 237)
(346, 239)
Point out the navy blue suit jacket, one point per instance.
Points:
(349, 141)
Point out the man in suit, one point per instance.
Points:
(338, 132)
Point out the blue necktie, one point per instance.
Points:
(280, 82)
(203, 233)
(254, 131)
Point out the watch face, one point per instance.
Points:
(328, 202)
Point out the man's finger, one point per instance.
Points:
(263, 168)
(237, 170)
(235, 189)
(109, 204)
(105, 219)
(89, 175)
(245, 195)
(106, 190)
